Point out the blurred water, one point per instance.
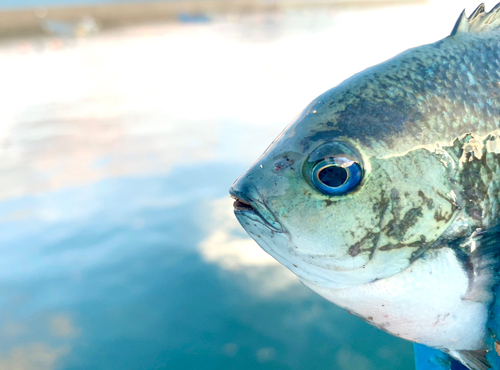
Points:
(118, 245)
(14, 4)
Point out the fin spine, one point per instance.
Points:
(479, 21)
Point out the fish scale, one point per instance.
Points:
(383, 196)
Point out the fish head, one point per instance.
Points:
(338, 205)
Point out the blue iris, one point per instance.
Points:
(336, 176)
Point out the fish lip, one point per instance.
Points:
(245, 205)
(242, 206)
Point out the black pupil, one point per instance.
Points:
(333, 176)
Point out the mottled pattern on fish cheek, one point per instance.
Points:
(399, 213)
(391, 212)
(408, 209)
(368, 242)
(400, 225)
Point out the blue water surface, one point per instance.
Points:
(113, 281)
(118, 246)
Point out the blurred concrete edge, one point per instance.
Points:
(29, 22)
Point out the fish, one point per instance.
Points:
(382, 195)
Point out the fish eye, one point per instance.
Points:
(336, 175)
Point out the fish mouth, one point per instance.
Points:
(242, 206)
(252, 208)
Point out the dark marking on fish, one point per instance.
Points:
(390, 247)
(400, 226)
(328, 135)
(473, 178)
(418, 252)
(439, 216)
(465, 260)
(428, 201)
(382, 205)
(454, 206)
(371, 237)
(356, 249)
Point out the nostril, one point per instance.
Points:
(282, 164)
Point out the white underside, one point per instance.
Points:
(424, 303)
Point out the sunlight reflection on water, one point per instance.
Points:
(119, 248)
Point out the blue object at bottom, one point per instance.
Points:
(432, 359)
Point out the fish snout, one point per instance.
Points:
(249, 202)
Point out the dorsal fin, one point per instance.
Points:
(479, 21)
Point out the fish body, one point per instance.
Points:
(383, 194)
